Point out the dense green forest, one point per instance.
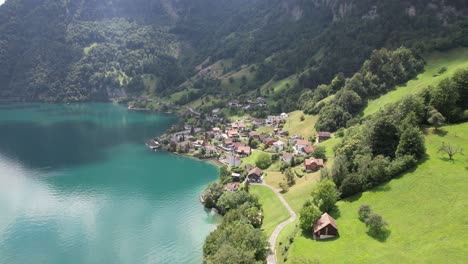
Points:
(83, 50)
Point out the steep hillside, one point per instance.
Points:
(94, 50)
(425, 210)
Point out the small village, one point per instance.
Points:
(237, 144)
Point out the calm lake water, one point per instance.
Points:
(77, 185)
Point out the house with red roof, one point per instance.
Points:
(313, 164)
(325, 227)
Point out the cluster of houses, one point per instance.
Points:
(233, 142)
(249, 104)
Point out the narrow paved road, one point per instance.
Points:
(272, 257)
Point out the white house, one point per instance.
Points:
(278, 146)
(270, 120)
(283, 116)
(300, 144)
(233, 160)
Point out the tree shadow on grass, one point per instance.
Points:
(440, 132)
(381, 188)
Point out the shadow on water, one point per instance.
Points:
(70, 143)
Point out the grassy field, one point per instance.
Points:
(297, 127)
(453, 60)
(426, 210)
(252, 158)
(274, 210)
(329, 144)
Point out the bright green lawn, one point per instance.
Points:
(426, 209)
(453, 60)
(252, 158)
(329, 144)
(274, 210)
(305, 128)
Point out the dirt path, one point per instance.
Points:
(272, 257)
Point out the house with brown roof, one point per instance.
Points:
(322, 136)
(232, 187)
(227, 143)
(309, 149)
(278, 146)
(232, 133)
(255, 175)
(287, 157)
(269, 141)
(243, 151)
(313, 164)
(283, 133)
(249, 167)
(253, 134)
(299, 146)
(325, 227)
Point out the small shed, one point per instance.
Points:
(255, 175)
(325, 227)
(322, 136)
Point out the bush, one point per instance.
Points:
(325, 195)
(320, 153)
(376, 225)
(263, 161)
(309, 214)
(364, 212)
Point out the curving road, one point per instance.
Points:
(272, 257)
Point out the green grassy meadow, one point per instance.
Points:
(453, 60)
(274, 211)
(426, 210)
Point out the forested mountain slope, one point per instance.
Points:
(77, 50)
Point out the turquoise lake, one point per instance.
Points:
(78, 185)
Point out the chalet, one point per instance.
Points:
(198, 144)
(242, 126)
(236, 145)
(269, 141)
(227, 143)
(283, 116)
(249, 167)
(287, 157)
(299, 147)
(243, 151)
(294, 138)
(232, 133)
(270, 120)
(278, 146)
(322, 136)
(234, 103)
(325, 227)
(233, 160)
(217, 132)
(283, 133)
(313, 164)
(309, 149)
(262, 137)
(235, 177)
(253, 134)
(232, 187)
(257, 122)
(260, 100)
(255, 175)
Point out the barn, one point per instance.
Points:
(325, 227)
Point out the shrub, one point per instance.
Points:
(376, 225)
(364, 212)
(309, 214)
